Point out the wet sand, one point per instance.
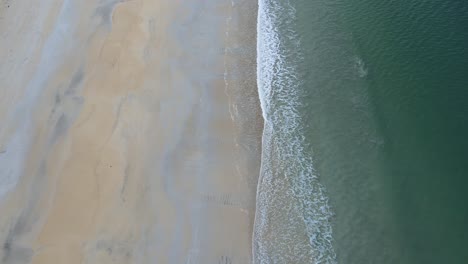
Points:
(130, 131)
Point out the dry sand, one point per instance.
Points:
(130, 131)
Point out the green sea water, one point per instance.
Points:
(384, 102)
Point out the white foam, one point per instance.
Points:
(284, 159)
(360, 67)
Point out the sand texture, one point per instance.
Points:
(129, 131)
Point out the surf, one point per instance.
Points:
(292, 220)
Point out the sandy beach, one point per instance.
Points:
(130, 131)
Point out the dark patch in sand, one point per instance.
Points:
(15, 254)
(61, 127)
(225, 260)
(116, 251)
(105, 10)
(222, 199)
(75, 81)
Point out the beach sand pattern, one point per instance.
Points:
(130, 131)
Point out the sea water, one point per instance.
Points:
(364, 145)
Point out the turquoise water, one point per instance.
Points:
(365, 149)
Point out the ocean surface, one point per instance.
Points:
(365, 149)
